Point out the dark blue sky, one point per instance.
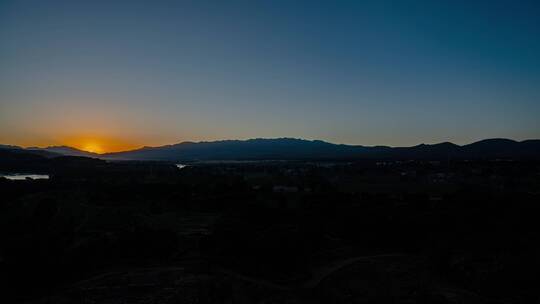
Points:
(127, 73)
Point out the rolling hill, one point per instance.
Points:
(301, 149)
(292, 149)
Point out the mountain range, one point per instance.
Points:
(301, 149)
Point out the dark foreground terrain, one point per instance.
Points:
(271, 232)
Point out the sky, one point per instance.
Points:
(115, 75)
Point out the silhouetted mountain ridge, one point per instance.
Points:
(69, 151)
(302, 149)
(291, 149)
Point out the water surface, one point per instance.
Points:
(19, 176)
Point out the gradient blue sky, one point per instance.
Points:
(130, 73)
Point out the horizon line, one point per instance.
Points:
(257, 138)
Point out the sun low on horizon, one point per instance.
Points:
(99, 145)
(94, 147)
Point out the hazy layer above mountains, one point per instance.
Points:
(299, 149)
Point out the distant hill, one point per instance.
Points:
(69, 151)
(292, 149)
(17, 159)
(252, 149)
(19, 152)
(53, 151)
(36, 160)
(9, 147)
(301, 149)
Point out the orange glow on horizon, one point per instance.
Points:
(92, 147)
(98, 144)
